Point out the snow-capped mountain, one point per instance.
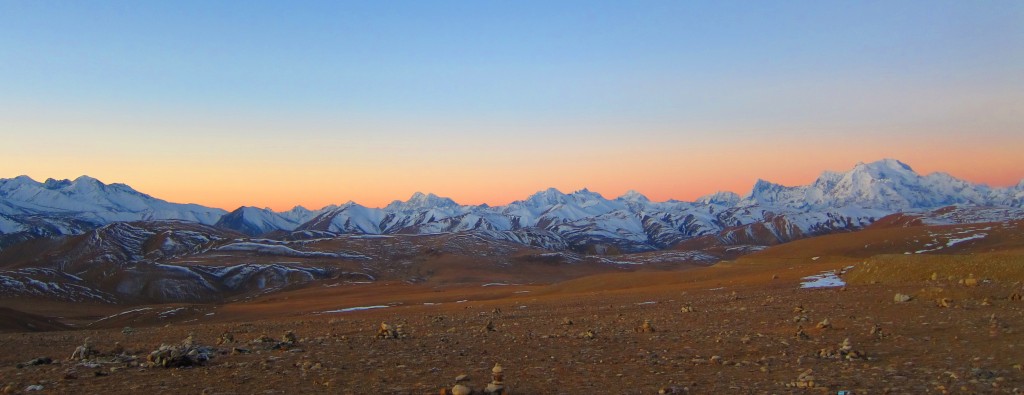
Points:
(62, 207)
(888, 185)
(255, 221)
(771, 213)
(90, 200)
(583, 220)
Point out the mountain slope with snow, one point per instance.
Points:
(583, 220)
(90, 200)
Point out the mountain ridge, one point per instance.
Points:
(583, 219)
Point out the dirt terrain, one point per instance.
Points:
(932, 322)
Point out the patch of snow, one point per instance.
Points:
(349, 309)
(829, 279)
(952, 242)
(123, 313)
(170, 312)
(496, 284)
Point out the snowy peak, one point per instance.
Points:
(255, 221)
(722, 198)
(886, 164)
(633, 196)
(419, 200)
(887, 184)
(548, 196)
(89, 199)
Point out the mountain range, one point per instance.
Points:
(583, 221)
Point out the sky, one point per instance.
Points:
(277, 104)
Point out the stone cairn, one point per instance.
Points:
(804, 380)
(188, 353)
(388, 332)
(497, 384)
(495, 387)
(845, 351)
(84, 352)
(288, 340)
(800, 334)
(876, 331)
(645, 327)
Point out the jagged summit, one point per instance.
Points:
(420, 200)
(633, 196)
(724, 198)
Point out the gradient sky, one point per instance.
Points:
(228, 103)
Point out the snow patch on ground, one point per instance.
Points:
(122, 313)
(829, 279)
(349, 309)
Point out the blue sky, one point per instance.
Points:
(489, 74)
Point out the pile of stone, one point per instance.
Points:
(495, 387)
(225, 338)
(287, 341)
(84, 352)
(800, 334)
(876, 331)
(804, 380)
(845, 351)
(686, 309)
(388, 332)
(824, 324)
(645, 327)
(188, 353)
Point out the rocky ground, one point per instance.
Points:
(715, 336)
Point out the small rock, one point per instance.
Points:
(35, 387)
(900, 298)
(645, 327)
(462, 377)
(944, 302)
(824, 324)
(970, 282)
(460, 389)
